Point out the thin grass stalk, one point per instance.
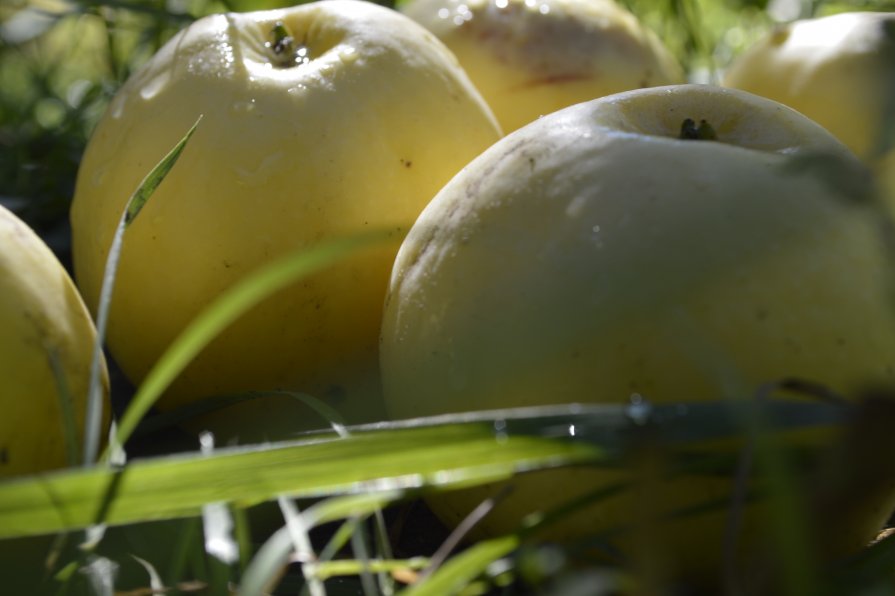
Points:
(301, 542)
(228, 307)
(136, 202)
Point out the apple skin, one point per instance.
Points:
(284, 159)
(42, 317)
(593, 255)
(533, 58)
(838, 70)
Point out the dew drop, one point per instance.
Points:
(596, 236)
(639, 409)
(500, 430)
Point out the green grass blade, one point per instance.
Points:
(93, 420)
(362, 504)
(194, 409)
(228, 307)
(138, 200)
(264, 570)
(450, 455)
(464, 568)
(352, 567)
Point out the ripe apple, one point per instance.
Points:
(45, 352)
(532, 58)
(838, 70)
(672, 244)
(320, 121)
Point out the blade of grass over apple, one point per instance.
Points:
(194, 409)
(228, 307)
(387, 459)
(136, 202)
(438, 452)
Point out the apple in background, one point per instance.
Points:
(838, 70)
(320, 121)
(45, 325)
(530, 58)
(678, 243)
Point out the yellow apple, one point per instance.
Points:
(838, 70)
(671, 244)
(530, 58)
(320, 121)
(45, 353)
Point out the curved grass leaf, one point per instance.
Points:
(442, 451)
(136, 202)
(228, 307)
(178, 486)
(464, 568)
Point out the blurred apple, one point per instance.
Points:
(674, 244)
(320, 121)
(45, 354)
(838, 70)
(530, 58)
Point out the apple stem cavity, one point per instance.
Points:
(286, 53)
(697, 132)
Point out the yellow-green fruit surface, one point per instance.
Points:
(594, 255)
(46, 344)
(838, 70)
(353, 127)
(532, 58)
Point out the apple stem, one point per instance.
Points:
(283, 46)
(701, 132)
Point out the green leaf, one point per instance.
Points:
(228, 307)
(152, 181)
(93, 418)
(442, 451)
(462, 569)
(369, 460)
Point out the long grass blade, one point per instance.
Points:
(443, 451)
(464, 568)
(228, 307)
(400, 458)
(93, 421)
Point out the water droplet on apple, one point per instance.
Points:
(100, 174)
(155, 86)
(639, 410)
(243, 107)
(259, 174)
(348, 55)
(596, 236)
(116, 108)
